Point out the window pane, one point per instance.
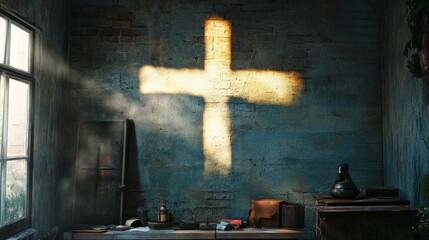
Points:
(17, 137)
(16, 190)
(3, 25)
(19, 48)
(2, 82)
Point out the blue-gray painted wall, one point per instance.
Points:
(405, 110)
(286, 152)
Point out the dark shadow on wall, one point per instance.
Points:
(425, 91)
(424, 191)
(169, 160)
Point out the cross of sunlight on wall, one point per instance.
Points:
(217, 83)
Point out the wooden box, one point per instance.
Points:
(293, 215)
(369, 219)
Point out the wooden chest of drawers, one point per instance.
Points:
(366, 219)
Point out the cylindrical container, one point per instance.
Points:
(162, 213)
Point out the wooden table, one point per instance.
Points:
(323, 201)
(265, 233)
(248, 233)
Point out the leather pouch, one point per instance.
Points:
(265, 213)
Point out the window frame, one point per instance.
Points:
(27, 77)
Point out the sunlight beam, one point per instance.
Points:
(217, 84)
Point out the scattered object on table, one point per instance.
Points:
(82, 228)
(207, 226)
(188, 224)
(88, 231)
(223, 226)
(293, 215)
(120, 228)
(86, 228)
(265, 213)
(140, 229)
(134, 222)
(157, 225)
(234, 223)
(344, 187)
(244, 224)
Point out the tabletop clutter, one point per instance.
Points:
(268, 213)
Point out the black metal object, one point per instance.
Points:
(344, 187)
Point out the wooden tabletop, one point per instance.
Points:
(326, 203)
(342, 209)
(248, 233)
(326, 200)
(264, 233)
(153, 234)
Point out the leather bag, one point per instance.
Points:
(265, 213)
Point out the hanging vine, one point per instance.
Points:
(415, 21)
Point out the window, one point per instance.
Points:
(16, 84)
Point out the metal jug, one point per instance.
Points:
(344, 187)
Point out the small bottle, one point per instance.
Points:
(162, 213)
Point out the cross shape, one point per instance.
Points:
(217, 83)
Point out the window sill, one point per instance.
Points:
(26, 234)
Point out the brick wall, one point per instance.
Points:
(285, 149)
